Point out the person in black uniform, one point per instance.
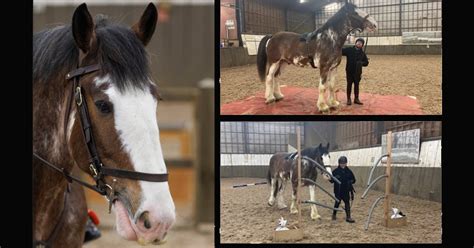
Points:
(356, 59)
(342, 191)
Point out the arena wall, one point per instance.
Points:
(422, 180)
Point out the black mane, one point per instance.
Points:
(340, 14)
(120, 53)
(315, 152)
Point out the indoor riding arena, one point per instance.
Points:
(404, 52)
(409, 175)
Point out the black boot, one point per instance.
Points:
(334, 215)
(348, 217)
(348, 90)
(356, 92)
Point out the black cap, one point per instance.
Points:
(361, 40)
(342, 160)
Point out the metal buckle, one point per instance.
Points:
(110, 197)
(93, 169)
(78, 95)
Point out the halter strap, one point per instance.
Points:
(82, 70)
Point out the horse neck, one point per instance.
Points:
(49, 142)
(341, 28)
(48, 204)
(49, 112)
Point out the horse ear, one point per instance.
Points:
(320, 145)
(145, 28)
(82, 27)
(327, 146)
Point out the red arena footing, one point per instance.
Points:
(302, 101)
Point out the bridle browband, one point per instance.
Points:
(96, 167)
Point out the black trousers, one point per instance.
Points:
(352, 78)
(347, 203)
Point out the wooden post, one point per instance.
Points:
(298, 144)
(294, 234)
(388, 181)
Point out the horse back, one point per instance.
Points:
(284, 45)
(279, 163)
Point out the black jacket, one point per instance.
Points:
(347, 179)
(356, 58)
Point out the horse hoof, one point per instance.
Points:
(317, 217)
(294, 211)
(270, 203)
(334, 104)
(282, 207)
(268, 101)
(323, 108)
(279, 97)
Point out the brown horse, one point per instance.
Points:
(122, 115)
(321, 48)
(283, 167)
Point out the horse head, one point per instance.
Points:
(322, 157)
(122, 100)
(358, 18)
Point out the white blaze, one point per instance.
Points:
(326, 160)
(101, 80)
(328, 169)
(372, 20)
(137, 127)
(363, 14)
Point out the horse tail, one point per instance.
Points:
(262, 57)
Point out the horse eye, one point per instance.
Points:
(103, 106)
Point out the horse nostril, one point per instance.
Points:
(147, 224)
(144, 217)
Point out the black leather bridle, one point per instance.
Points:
(96, 167)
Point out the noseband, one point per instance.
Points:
(96, 167)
